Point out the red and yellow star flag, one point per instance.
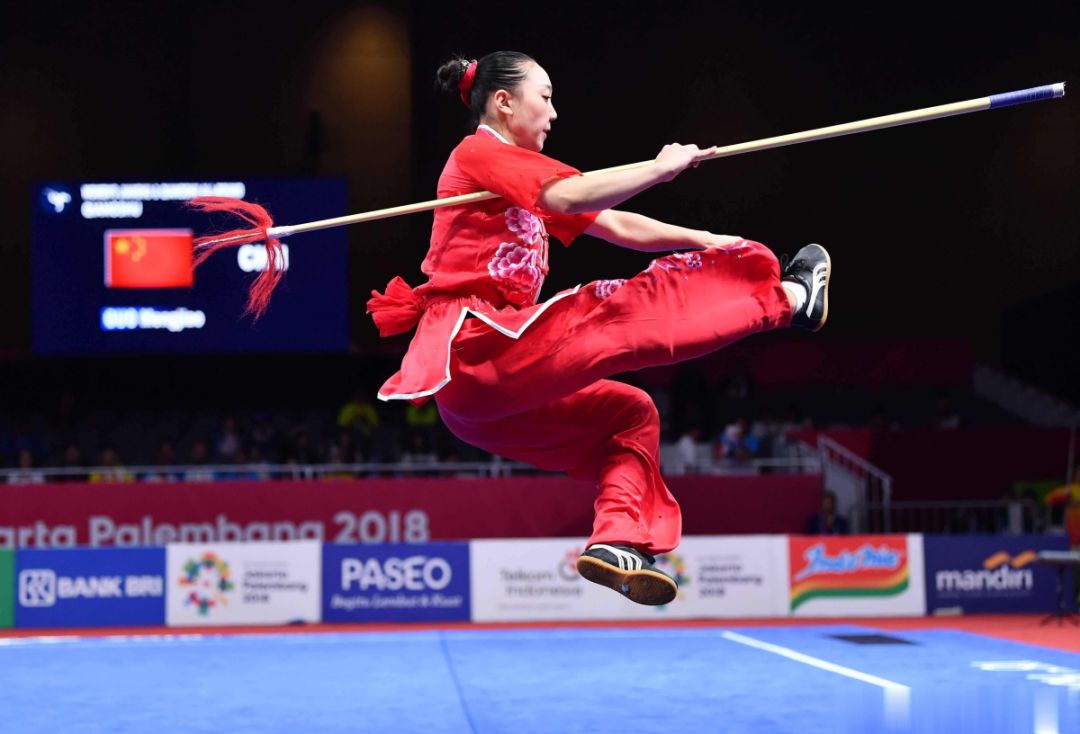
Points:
(148, 258)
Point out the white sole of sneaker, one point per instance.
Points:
(825, 305)
(644, 587)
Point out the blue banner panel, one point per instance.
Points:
(991, 573)
(90, 587)
(396, 583)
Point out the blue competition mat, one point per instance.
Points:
(809, 680)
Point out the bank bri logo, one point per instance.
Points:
(37, 587)
(208, 580)
(854, 566)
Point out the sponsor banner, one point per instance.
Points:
(90, 588)
(523, 580)
(856, 575)
(396, 583)
(374, 511)
(242, 583)
(991, 573)
(7, 588)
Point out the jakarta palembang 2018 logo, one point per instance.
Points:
(207, 581)
(674, 566)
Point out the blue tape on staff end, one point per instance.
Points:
(1035, 94)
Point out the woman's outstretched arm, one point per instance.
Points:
(603, 191)
(638, 232)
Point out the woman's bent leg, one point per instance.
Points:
(607, 432)
(682, 307)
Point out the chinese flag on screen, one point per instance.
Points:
(148, 258)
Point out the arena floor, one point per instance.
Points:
(968, 674)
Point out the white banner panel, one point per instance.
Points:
(856, 576)
(731, 576)
(243, 583)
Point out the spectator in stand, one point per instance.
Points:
(72, 459)
(243, 470)
(456, 472)
(164, 461)
(360, 416)
(198, 458)
(421, 421)
(1067, 496)
(1035, 519)
(794, 421)
(737, 443)
(301, 450)
(228, 443)
(421, 453)
(343, 450)
(827, 521)
(258, 467)
(763, 432)
(109, 468)
(26, 473)
(686, 452)
(264, 437)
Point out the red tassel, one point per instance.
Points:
(397, 311)
(263, 285)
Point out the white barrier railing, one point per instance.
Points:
(496, 467)
(863, 491)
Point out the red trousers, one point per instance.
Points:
(542, 399)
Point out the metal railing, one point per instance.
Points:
(496, 467)
(857, 484)
(996, 517)
(263, 472)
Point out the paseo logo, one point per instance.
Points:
(207, 581)
(415, 573)
(854, 566)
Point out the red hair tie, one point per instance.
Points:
(465, 85)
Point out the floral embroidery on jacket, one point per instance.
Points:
(605, 288)
(516, 268)
(519, 269)
(527, 227)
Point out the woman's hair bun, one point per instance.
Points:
(449, 75)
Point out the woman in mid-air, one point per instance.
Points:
(527, 380)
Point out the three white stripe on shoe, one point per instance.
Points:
(627, 561)
(818, 278)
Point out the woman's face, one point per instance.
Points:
(530, 110)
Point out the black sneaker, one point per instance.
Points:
(629, 571)
(811, 268)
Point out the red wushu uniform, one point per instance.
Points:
(526, 380)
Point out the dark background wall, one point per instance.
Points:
(936, 229)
